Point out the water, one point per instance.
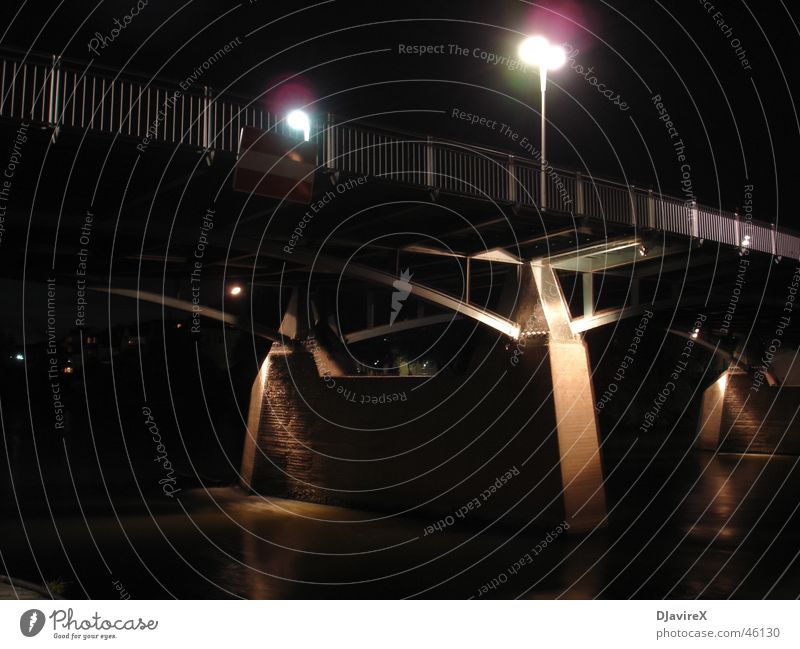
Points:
(712, 526)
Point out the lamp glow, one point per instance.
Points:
(533, 49)
(537, 50)
(556, 57)
(235, 290)
(299, 120)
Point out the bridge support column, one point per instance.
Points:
(588, 295)
(573, 396)
(709, 425)
(744, 412)
(253, 425)
(306, 438)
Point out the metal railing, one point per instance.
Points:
(64, 94)
(499, 176)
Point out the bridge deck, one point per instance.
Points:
(70, 95)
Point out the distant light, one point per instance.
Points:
(299, 120)
(537, 50)
(19, 357)
(746, 241)
(235, 290)
(68, 369)
(695, 333)
(642, 250)
(179, 325)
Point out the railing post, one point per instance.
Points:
(512, 179)
(736, 234)
(429, 161)
(694, 221)
(50, 111)
(207, 118)
(580, 197)
(773, 235)
(632, 199)
(53, 112)
(651, 209)
(328, 153)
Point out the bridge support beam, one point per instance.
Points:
(744, 412)
(525, 408)
(573, 396)
(709, 424)
(250, 450)
(588, 294)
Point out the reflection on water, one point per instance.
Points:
(708, 526)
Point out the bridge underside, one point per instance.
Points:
(505, 296)
(521, 408)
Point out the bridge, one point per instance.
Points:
(534, 271)
(61, 95)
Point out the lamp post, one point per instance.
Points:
(537, 51)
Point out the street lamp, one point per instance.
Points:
(299, 121)
(537, 51)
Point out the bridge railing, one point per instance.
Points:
(67, 94)
(500, 176)
(26, 90)
(63, 94)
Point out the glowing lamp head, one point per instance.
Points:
(299, 121)
(235, 290)
(556, 57)
(533, 50)
(537, 50)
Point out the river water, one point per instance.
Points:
(698, 525)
